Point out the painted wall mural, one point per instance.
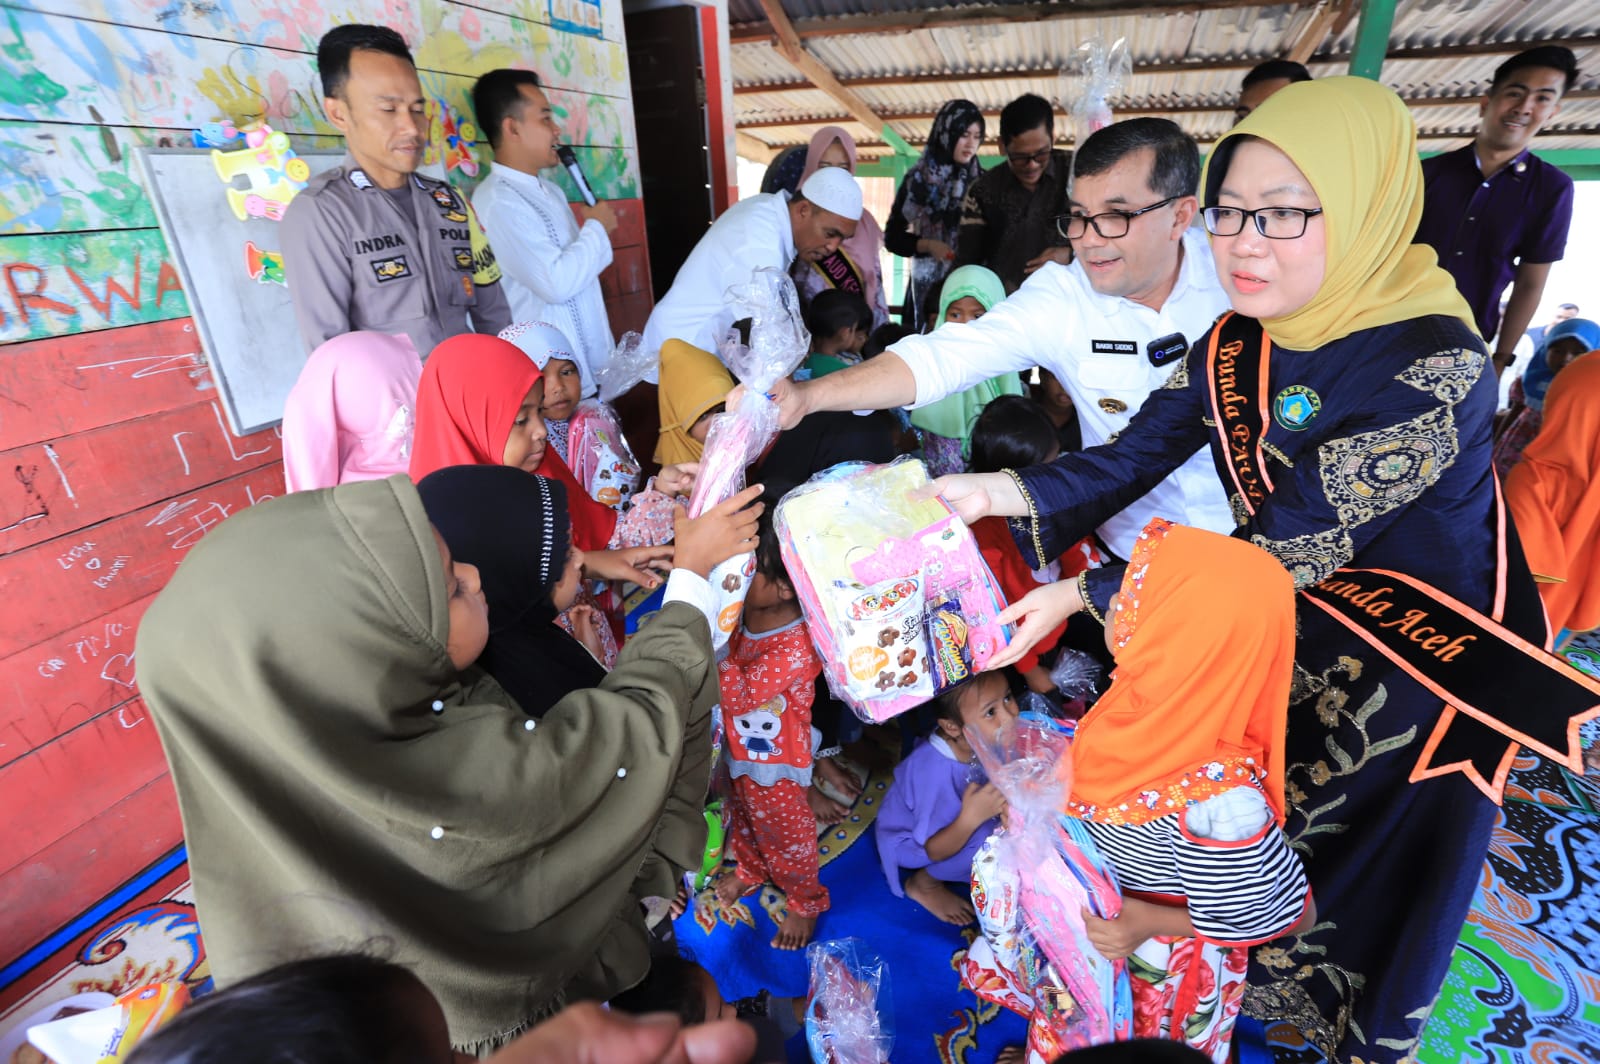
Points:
(117, 452)
(84, 93)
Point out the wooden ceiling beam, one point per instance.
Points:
(1184, 66)
(749, 147)
(1316, 31)
(1122, 108)
(968, 15)
(789, 46)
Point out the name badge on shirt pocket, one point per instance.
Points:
(1111, 373)
(1114, 347)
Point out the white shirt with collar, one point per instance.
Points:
(1096, 347)
(550, 265)
(752, 233)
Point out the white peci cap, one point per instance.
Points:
(834, 189)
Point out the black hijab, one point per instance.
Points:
(513, 526)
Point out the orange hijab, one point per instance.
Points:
(1554, 495)
(1203, 675)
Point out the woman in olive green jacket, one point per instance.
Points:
(346, 779)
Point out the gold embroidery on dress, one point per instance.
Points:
(1446, 375)
(1369, 474)
(1310, 557)
(1241, 516)
(1279, 455)
(1032, 527)
(1179, 378)
(1285, 1002)
(1294, 963)
(1208, 421)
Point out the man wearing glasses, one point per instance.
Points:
(1008, 217)
(1112, 326)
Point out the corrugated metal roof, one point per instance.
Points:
(1222, 42)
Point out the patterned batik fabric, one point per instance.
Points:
(1393, 865)
(1390, 469)
(772, 834)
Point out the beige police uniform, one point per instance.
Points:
(355, 261)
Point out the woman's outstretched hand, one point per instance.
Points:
(967, 494)
(1036, 615)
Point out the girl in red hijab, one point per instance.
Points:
(478, 404)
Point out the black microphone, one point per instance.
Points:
(569, 159)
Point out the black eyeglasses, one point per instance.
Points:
(1042, 156)
(1110, 224)
(1274, 223)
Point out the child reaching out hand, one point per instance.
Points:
(936, 814)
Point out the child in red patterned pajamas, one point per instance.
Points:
(768, 683)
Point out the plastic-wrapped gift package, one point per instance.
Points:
(630, 363)
(1031, 882)
(778, 343)
(601, 459)
(849, 1014)
(1103, 72)
(896, 595)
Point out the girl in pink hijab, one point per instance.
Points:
(854, 267)
(351, 414)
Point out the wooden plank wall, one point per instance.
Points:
(117, 458)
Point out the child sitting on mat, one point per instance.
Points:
(937, 813)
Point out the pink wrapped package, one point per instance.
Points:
(778, 343)
(1032, 880)
(600, 457)
(896, 595)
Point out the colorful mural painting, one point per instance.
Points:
(118, 454)
(88, 91)
(68, 282)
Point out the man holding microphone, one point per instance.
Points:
(551, 265)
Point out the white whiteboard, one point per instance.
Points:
(246, 323)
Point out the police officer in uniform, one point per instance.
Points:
(1113, 326)
(371, 244)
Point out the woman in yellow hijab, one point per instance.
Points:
(693, 385)
(1347, 410)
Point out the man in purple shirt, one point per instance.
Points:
(1496, 213)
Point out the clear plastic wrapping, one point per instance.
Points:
(1103, 71)
(1077, 674)
(1031, 882)
(778, 343)
(601, 459)
(630, 363)
(896, 594)
(850, 1012)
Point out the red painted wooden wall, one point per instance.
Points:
(116, 460)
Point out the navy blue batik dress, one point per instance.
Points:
(1378, 451)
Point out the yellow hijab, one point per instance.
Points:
(692, 382)
(1356, 143)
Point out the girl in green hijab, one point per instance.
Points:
(946, 426)
(346, 776)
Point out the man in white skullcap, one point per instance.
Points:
(771, 229)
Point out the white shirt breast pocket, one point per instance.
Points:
(1112, 373)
